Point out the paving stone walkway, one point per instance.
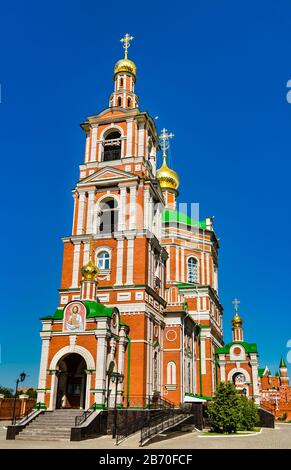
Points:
(279, 438)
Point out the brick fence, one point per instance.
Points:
(23, 405)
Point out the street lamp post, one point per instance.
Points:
(19, 380)
(116, 378)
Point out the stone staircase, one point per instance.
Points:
(50, 426)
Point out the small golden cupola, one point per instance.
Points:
(125, 65)
(124, 78)
(168, 178)
(89, 271)
(237, 321)
(89, 280)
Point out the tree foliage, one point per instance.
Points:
(7, 392)
(229, 411)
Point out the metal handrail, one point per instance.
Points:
(29, 414)
(159, 422)
(85, 415)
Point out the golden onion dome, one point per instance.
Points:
(125, 65)
(237, 321)
(89, 271)
(168, 178)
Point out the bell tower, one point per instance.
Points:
(117, 225)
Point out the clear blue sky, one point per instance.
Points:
(215, 73)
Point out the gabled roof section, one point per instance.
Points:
(93, 309)
(107, 174)
(249, 347)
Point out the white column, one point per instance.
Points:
(76, 265)
(101, 360)
(202, 265)
(93, 144)
(119, 262)
(203, 356)
(100, 148)
(86, 252)
(177, 262)
(182, 264)
(256, 391)
(146, 199)
(87, 148)
(222, 370)
(132, 208)
(130, 253)
(89, 225)
(45, 336)
(141, 131)
(122, 207)
(129, 138)
(168, 248)
(82, 199)
(121, 349)
(207, 270)
(75, 196)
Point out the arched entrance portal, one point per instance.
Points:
(71, 390)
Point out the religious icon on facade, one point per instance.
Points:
(74, 317)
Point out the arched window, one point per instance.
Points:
(128, 102)
(171, 373)
(192, 275)
(112, 147)
(119, 101)
(103, 260)
(121, 82)
(239, 378)
(108, 216)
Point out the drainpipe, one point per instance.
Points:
(200, 357)
(128, 370)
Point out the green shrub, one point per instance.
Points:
(249, 415)
(225, 410)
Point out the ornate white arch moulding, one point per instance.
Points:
(236, 370)
(86, 355)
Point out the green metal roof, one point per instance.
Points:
(261, 371)
(94, 309)
(249, 347)
(170, 215)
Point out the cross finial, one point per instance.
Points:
(164, 140)
(236, 303)
(126, 43)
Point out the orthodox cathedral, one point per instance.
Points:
(139, 313)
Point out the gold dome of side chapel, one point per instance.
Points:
(237, 321)
(168, 178)
(89, 271)
(125, 64)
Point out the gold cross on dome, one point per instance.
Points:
(236, 303)
(126, 43)
(164, 140)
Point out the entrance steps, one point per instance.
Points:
(50, 426)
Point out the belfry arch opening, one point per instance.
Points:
(112, 147)
(71, 390)
(108, 215)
